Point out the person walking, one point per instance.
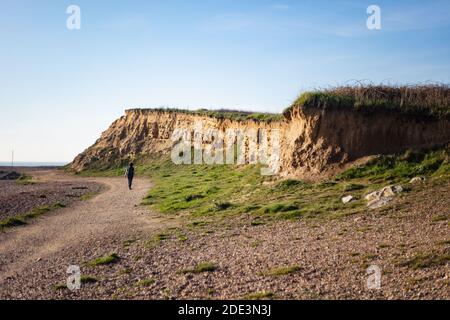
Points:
(130, 174)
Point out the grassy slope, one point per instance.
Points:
(205, 192)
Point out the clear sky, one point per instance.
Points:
(59, 89)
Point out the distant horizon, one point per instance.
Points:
(34, 163)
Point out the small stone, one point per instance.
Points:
(348, 199)
(377, 203)
(416, 180)
(372, 196)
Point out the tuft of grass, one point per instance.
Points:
(352, 187)
(85, 279)
(22, 219)
(257, 222)
(145, 282)
(89, 195)
(438, 218)
(161, 237)
(222, 205)
(25, 179)
(250, 208)
(12, 222)
(60, 286)
(280, 271)
(197, 224)
(109, 259)
(290, 184)
(38, 211)
(423, 261)
(126, 271)
(201, 267)
(205, 267)
(259, 295)
(129, 242)
(366, 258)
(192, 197)
(182, 237)
(88, 279)
(280, 207)
(255, 243)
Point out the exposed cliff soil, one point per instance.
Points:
(320, 141)
(314, 142)
(147, 132)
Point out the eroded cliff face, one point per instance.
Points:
(321, 142)
(146, 133)
(313, 143)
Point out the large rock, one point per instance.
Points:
(382, 197)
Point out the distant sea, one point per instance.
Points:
(33, 164)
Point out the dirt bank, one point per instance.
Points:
(313, 142)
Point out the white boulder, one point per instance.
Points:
(417, 180)
(347, 199)
(383, 196)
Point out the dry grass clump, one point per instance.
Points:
(235, 115)
(431, 100)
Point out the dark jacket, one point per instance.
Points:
(130, 172)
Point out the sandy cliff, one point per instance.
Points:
(313, 141)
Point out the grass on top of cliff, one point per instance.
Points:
(235, 115)
(420, 100)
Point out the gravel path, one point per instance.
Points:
(30, 252)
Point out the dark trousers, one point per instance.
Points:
(130, 182)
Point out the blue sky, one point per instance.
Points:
(60, 89)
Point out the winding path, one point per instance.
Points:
(114, 211)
